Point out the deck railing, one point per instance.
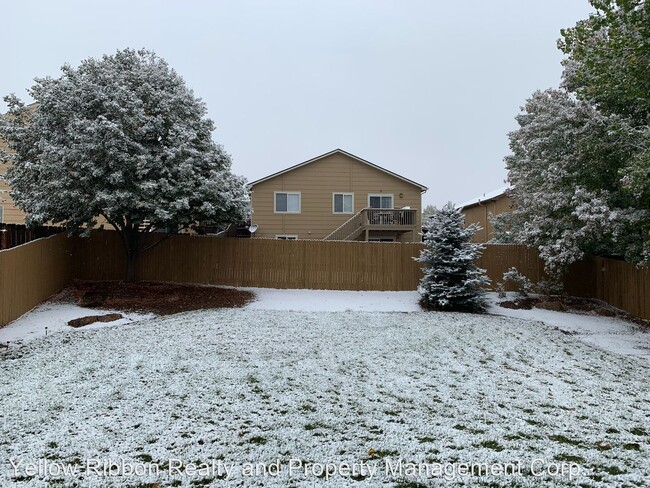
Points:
(374, 218)
(389, 217)
(348, 228)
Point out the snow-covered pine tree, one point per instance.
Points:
(124, 139)
(451, 279)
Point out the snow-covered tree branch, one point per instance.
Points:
(580, 162)
(123, 138)
(451, 279)
(565, 171)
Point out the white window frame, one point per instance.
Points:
(275, 202)
(392, 199)
(344, 195)
(286, 237)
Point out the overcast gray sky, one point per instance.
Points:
(428, 89)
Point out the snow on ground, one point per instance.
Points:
(334, 300)
(52, 317)
(210, 389)
(609, 333)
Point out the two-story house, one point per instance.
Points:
(337, 196)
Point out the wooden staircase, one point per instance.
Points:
(368, 219)
(349, 230)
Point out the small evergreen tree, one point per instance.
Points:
(451, 279)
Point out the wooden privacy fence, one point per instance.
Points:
(257, 262)
(341, 266)
(270, 263)
(31, 273)
(620, 284)
(12, 235)
(499, 258)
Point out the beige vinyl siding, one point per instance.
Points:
(316, 183)
(480, 214)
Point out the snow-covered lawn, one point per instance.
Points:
(612, 334)
(609, 333)
(230, 387)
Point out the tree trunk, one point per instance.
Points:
(131, 239)
(135, 243)
(130, 267)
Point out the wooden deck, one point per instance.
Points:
(375, 219)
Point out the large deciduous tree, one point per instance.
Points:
(580, 162)
(124, 139)
(608, 58)
(608, 64)
(565, 174)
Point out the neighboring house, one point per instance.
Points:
(479, 210)
(337, 196)
(9, 214)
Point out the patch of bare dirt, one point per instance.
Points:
(153, 297)
(91, 319)
(430, 308)
(523, 303)
(554, 305)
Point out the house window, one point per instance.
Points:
(343, 203)
(287, 202)
(381, 239)
(286, 237)
(380, 201)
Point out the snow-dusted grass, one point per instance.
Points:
(610, 333)
(238, 386)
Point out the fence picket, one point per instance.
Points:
(31, 273)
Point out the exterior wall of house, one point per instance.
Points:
(316, 183)
(480, 213)
(9, 214)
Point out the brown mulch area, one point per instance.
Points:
(153, 297)
(587, 306)
(91, 319)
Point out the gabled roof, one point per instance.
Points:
(345, 153)
(486, 197)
